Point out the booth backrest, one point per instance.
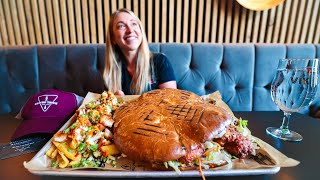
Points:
(241, 72)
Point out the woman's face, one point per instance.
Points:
(126, 32)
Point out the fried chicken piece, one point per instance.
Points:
(193, 154)
(235, 143)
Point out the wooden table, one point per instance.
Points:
(306, 151)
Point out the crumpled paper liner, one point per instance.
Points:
(266, 156)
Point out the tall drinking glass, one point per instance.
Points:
(293, 87)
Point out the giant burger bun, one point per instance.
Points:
(167, 124)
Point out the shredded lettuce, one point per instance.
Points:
(175, 165)
(212, 155)
(217, 158)
(242, 127)
(208, 145)
(166, 164)
(243, 122)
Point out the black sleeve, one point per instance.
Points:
(163, 69)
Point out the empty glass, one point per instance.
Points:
(294, 86)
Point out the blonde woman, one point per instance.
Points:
(130, 66)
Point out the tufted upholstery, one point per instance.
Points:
(241, 72)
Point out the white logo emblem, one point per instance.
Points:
(46, 101)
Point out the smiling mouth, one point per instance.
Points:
(130, 38)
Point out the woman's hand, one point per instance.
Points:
(119, 93)
(169, 84)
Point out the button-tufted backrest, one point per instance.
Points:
(74, 68)
(19, 76)
(241, 72)
(204, 68)
(26, 70)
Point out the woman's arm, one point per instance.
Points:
(169, 84)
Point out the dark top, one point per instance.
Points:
(161, 72)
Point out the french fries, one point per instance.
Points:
(88, 141)
(110, 150)
(63, 161)
(65, 149)
(52, 152)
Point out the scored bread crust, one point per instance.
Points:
(165, 124)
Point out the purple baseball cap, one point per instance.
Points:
(46, 112)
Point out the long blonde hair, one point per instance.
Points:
(113, 67)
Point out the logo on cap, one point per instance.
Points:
(45, 101)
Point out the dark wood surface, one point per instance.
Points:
(306, 151)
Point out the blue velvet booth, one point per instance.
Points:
(241, 72)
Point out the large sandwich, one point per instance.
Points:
(177, 129)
